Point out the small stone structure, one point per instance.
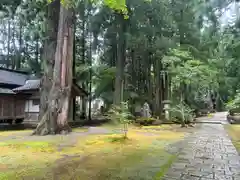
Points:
(166, 108)
(146, 110)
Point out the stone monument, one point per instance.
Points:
(166, 108)
(146, 110)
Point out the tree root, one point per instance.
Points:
(65, 129)
(42, 129)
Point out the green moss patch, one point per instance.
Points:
(80, 129)
(165, 167)
(234, 133)
(108, 156)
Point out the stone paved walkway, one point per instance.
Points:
(209, 154)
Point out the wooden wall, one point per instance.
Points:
(11, 107)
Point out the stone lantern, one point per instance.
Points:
(166, 108)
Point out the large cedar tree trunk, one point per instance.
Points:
(49, 49)
(55, 118)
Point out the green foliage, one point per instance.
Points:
(182, 113)
(197, 56)
(235, 103)
(118, 5)
(190, 71)
(103, 79)
(121, 115)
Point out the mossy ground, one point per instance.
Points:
(234, 132)
(86, 156)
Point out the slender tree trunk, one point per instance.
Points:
(182, 107)
(114, 51)
(218, 103)
(84, 107)
(158, 88)
(14, 45)
(133, 73)
(90, 80)
(167, 86)
(37, 68)
(8, 44)
(90, 37)
(149, 66)
(19, 59)
(74, 69)
(83, 56)
(118, 98)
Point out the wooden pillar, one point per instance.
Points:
(1, 105)
(83, 107)
(70, 113)
(74, 109)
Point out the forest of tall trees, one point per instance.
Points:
(135, 50)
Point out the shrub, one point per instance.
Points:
(120, 114)
(182, 113)
(145, 121)
(233, 106)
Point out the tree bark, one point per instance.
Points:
(49, 49)
(90, 80)
(37, 67)
(13, 60)
(19, 60)
(83, 55)
(8, 44)
(60, 93)
(63, 68)
(74, 69)
(158, 88)
(118, 94)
